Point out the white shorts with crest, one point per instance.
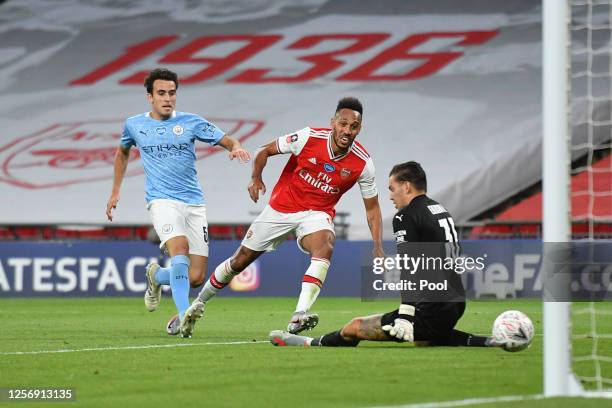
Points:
(172, 219)
(271, 227)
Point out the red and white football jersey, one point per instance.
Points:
(315, 179)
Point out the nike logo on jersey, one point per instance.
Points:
(399, 217)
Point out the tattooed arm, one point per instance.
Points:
(365, 328)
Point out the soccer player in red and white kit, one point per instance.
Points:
(324, 164)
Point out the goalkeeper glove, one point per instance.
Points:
(401, 329)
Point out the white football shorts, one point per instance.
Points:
(270, 228)
(172, 219)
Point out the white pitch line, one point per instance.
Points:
(469, 401)
(151, 346)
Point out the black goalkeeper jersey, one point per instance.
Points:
(425, 230)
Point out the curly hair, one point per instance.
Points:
(350, 103)
(160, 73)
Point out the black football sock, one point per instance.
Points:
(334, 339)
(459, 338)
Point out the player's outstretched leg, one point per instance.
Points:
(156, 277)
(360, 328)
(226, 270)
(222, 275)
(219, 279)
(282, 338)
(333, 339)
(191, 316)
(459, 338)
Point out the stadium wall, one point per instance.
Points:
(512, 268)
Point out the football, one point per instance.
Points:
(514, 329)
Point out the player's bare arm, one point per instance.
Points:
(261, 159)
(365, 328)
(374, 217)
(121, 161)
(235, 149)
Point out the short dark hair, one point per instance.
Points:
(350, 103)
(160, 73)
(412, 172)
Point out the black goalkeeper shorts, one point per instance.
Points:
(432, 326)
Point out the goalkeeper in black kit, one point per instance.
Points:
(423, 229)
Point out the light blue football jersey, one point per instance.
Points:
(167, 152)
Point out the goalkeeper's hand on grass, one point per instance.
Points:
(401, 329)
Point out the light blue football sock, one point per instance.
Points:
(179, 282)
(162, 276)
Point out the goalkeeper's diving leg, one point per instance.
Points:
(371, 328)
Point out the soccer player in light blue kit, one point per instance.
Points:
(166, 141)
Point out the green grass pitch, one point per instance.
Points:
(254, 373)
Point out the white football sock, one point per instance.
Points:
(218, 280)
(311, 284)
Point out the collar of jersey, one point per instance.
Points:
(148, 115)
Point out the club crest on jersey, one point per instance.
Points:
(329, 167)
(292, 138)
(344, 173)
(160, 130)
(177, 130)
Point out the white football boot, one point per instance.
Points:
(152, 295)
(191, 316)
